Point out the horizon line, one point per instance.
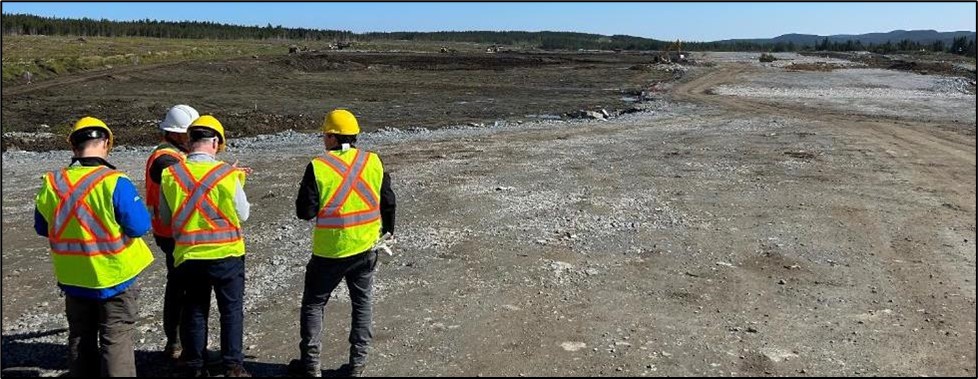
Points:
(476, 30)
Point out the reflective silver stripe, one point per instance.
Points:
(344, 190)
(88, 220)
(343, 221)
(338, 163)
(368, 195)
(67, 205)
(60, 181)
(184, 178)
(198, 191)
(208, 237)
(62, 187)
(89, 248)
(213, 215)
(352, 174)
(181, 174)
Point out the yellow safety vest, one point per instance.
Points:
(88, 246)
(349, 192)
(204, 221)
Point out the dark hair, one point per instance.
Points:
(343, 138)
(83, 138)
(197, 134)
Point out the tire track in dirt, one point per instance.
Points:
(888, 135)
(82, 77)
(939, 161)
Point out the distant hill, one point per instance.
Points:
(918, 36)
(899, 40)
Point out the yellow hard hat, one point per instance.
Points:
(341, 121)
(91, 122)
(209, 122)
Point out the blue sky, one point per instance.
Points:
(687, 21)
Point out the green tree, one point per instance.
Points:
(959, 46)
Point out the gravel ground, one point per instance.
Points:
(784, 59)
(867, 91)
(706, 235)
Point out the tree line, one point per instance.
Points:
(960, 46)
(25, 24)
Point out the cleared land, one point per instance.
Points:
(714, 233)
(274, 92)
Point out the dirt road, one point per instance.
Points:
(81, 78)
(711, 235)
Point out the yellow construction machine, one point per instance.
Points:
(673, 53)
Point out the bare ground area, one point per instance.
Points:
(274, 93)
(709, 235)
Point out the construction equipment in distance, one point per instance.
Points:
(672, 54)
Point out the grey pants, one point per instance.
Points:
(322, 277)
(100, 334)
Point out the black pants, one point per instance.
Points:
(322, 277)
(100, 334)
(227, 278)
(173, 298)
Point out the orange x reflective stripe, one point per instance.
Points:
(72, 206)
(221, 229)
(329, 217)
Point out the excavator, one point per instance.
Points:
(673, 54)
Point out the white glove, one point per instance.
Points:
(383, 244)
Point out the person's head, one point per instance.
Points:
(333, 141)
(206, 135)
(340, 127)
(90, 137)
(175, 123)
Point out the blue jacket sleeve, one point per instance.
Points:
(130, 211)
(40, 224)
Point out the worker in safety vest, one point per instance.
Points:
(94, 219)
(348, 194)
(171, 150)
(203, 201)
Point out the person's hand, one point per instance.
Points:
(246, 170)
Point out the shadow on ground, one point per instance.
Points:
(19, 358)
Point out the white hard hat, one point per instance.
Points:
(178, 119)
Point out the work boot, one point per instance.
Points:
(351, 371)
(299, 369)
(172, 351)
(212, 361)
(197, 372)
(236, 371)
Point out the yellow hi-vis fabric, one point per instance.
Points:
(205, 223)
(88, 246)
(349, 192)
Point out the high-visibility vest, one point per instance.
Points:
(204, 221)
(349, 193)
(160, 228)
(88, 246)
